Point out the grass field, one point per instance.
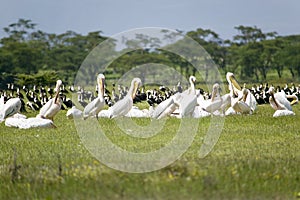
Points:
(256, 157)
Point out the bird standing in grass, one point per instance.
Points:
(122, 107)
(52, 107)
(279, 102)
(95, 106)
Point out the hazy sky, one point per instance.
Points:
(112, 17)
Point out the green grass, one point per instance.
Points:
(256, 157)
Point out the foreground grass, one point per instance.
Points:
(256, 157)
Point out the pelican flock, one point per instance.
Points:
(179, 102)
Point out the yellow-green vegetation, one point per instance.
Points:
(256, 157)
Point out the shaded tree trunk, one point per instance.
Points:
(292, 72)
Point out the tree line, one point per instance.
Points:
(30, 55)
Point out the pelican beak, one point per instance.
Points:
(295, 100)
(136, 85)
(234, 82)
(101, 83)
(245, 97)
(213, 95)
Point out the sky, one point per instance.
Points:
(112, 16)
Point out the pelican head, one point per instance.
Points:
(100, 82)
(135, 84)
(58, 83)
(245, 94)
(100, 77)
(57, 89)
(192, 79)
(215, 90)
(232, 80)
(271, 90)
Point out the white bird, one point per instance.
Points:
(52, 107)
(136, 112)
(213, 105)
(74, 113)
(187, 104)
(179, 105)
(240, 105)
(279, 102)
(188, 100)
(191, 89)
(238, 94)
(104, 114)
(33, 122)
(11, 107)
(95, 106)
(233, 85)
(166, 108)
(123, 106)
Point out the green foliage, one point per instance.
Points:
(40, 78)
(252, 54)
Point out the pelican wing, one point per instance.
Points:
(169, 111)
(226, 101)
(279, 113)
(122, 107)
(162, 107)
(282, 100)
(29, 123)
(251, 101)
(241, 107)
(53, 110)
(136, 112)
(40, 123)
(11, 107)
(187, 105)
(93, 108)
(46, 107)
(104, 113)
(199, 112)
(74, 113)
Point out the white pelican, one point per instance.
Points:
(215, 103)
(184, 102)
(166, 107)
(95, 106)
(238, 94)
(279, 102)
(11, 107)
(187, 104)
(240, 105)
(136, 112)
(191, 89)
(212, 104)
(52, 107)
(188, 100)
(33, 122)
(123, 106)
(74, 113)
(234, 86)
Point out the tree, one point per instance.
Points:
(256, 51)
